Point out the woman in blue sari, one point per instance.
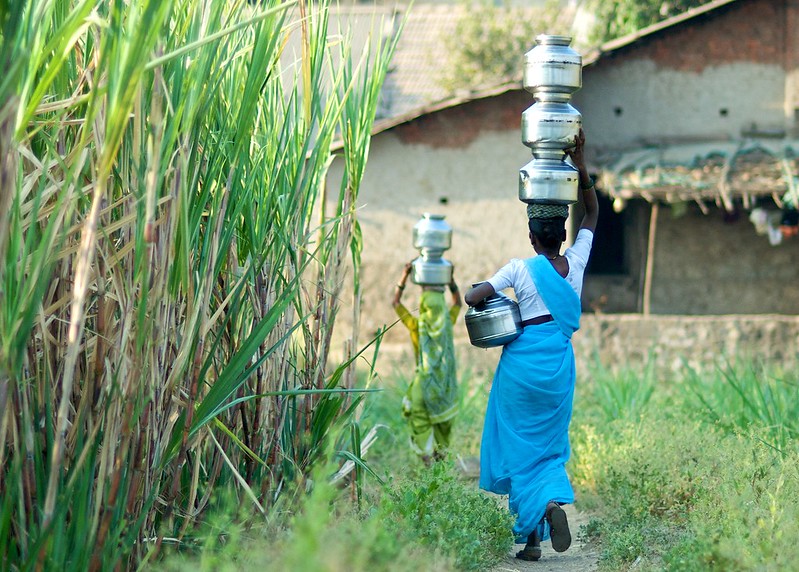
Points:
(525, 442)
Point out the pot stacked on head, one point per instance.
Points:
(552, 73)
(432, 236)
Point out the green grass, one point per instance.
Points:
(417, 518)
(703, 477)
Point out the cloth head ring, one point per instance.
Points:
(547, 211)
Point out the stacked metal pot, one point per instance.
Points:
(432, 236)
(552, 73)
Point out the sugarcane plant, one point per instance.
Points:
(171, 264)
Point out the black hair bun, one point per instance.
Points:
(548, 231)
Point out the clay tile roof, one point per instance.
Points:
(420, 55)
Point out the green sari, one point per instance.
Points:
(435, 367)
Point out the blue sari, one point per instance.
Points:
(525, 442)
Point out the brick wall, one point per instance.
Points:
(744, 31)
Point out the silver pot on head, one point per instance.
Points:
(431, 271)
(550, 125)
(548, 180)
(552, 66)
(432, 232)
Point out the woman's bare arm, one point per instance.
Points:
(587, 190)
(478, 293)
(453, 289)
(401, 285)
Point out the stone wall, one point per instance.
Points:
(622, 340)
(629, 341)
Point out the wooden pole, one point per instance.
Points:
(650, 259)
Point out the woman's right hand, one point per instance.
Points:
(406, 271)
(578, 158)
(576, 153)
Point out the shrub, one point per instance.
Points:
(748, 396)
(429, 521)
(673, 491)
(452, 517)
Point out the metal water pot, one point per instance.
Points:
(553, 66)
(431, 271)
(550, 124)
(495, 321)
(548, 181)
(432, 233)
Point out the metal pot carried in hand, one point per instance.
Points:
(431, 271)
(495, 321)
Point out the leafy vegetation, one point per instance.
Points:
(744, 396)
(415, 519)
(490, 40)
(704, 478)
(455, 519)
(170, 265)
(615, 18)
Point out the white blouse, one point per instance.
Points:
(515, 275)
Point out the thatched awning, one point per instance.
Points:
(717, 172)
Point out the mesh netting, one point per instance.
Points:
(547, 211)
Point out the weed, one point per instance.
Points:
(674, 490)
(454, 518)
(749, 396)
(621, 394)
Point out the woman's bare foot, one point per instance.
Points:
(532, 550)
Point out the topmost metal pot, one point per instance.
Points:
(432, 233)
(553, 66)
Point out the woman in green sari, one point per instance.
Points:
(432, 398)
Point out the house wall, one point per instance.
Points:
(709, 78)
(463, 163)
(703, 264)
(470, 156)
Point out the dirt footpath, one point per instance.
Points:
(578, 558)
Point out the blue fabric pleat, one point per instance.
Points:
(559, 297)
(525, 444)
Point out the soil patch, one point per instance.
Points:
(580, 557)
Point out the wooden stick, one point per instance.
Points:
(650, 251)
